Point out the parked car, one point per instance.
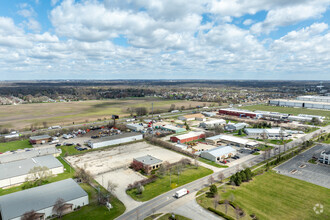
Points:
(58, 145)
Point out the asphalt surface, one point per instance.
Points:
(167, 198)
(318, 174)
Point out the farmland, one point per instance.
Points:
(274, 196)
(288, 110)
(63, 113)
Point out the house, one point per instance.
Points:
(172, 128)
(114, 139)
(191, 136)
(149, 163)
(29, 153)
(325, 157)
(212, 123)
(41, 139)
(16, 172)
(135, 127)
(218, 153)
(231, 140)
(192, 117)
(42, 199)
(235, 127)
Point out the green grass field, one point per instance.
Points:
(14, 145)
(212, 163)
(275, 196)
(162, 184)
(95, 211)
(288, 110)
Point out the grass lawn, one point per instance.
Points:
(162, 184)
(212, 163)
(265, 147)
(14, 145)
(278, 142)
(95, 211)
(288, 110)
(242, 135)
(275, 196)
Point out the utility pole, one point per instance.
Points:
(152, 118)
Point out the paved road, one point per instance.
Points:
(166, 199)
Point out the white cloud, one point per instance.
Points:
(248, 22)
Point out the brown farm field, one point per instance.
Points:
(65, 113)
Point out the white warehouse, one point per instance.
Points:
(212, 123)
(115, 139)
(300, 104)
(16, 172)
(135, 127)
(218, 153)
(42, 199)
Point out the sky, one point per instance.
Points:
(165, 39)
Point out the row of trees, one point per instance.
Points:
(242, 176)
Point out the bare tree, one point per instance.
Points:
(84, 175)
(30, 215)
(237, 211)
(232, 197)
(216, 200)
(221, 176)
(211, 180)
(58, 208)
(196, 161)
(38, 174)
(237, 168)
(44, 123)
(226, 202)
(112, 187)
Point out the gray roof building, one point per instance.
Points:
(148, 160)
(115, 137)
(39, 198)
(22, 167)
(40, 137)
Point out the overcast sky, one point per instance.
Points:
(165, 39)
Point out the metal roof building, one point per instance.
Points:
(232, 140)
(218, 153)
(191, 136)
(29, 153)
(115, 139)
(300, 103)
(42, 199)
(16, 172)
(313, 98)
(148, 160)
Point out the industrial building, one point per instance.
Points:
(325, 157)
(269, 133)
(149, 163)
(218, 153)
(312, 98)
(239, 113)
(235, 127)
(114, 139)
(41, 139)
(135, 127)
(191, 136)
(300, 104)
(231, 140)
(29, 153)
(42, 199)
(198, 116)
(212, 123)
(272, 115)
(172, 128)
(202, 147)
(209, 114)
(16, 172)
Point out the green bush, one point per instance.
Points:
(220, 213)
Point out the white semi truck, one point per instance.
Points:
(181, 192)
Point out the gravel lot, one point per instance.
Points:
(313, 173)
(112, 164)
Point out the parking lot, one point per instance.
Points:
(299, 167)
(112, 164)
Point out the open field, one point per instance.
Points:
(14, 145)
(288, 110)
(62, 113)
(274, 196)
(162, 184)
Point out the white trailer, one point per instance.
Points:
(181, 192)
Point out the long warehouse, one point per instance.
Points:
(115, 139)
